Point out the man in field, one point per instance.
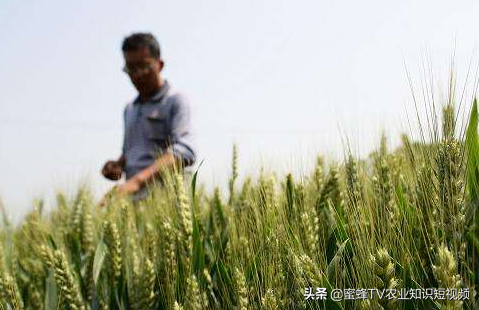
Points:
(157, 132)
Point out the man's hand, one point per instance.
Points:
(112, 170)
(107, 197)
(134, 184)
(129, 187)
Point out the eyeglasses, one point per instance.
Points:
(139, 70)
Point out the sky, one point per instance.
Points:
(284, 80)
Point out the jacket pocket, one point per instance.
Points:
(157, 128)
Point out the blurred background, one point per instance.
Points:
(284, 80)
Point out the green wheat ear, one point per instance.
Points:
(66, 282)
(352, 181)
(331, 191)
(87, 229)
(384, 275)
(318, 174)
(9, 291)
(148, 285)
(193, 294)
(209, 287)
(151, 239)
(234, 174)
(241, 290)
(445, 272)
(36, 298)
(268, 301)
(177, 306)
(114, 256)
(311, 232)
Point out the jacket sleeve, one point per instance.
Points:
(124, 142)
(181, 137)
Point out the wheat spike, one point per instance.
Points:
(114, 257)
(66, 282)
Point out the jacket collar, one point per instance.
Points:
(158, 95)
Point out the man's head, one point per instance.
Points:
(143, 62)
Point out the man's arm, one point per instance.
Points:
(163, 163)
(179, 154)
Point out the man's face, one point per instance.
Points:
(143, 69)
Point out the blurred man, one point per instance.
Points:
(156, 124)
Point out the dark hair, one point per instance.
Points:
(140, 40)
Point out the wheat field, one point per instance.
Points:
(401, 220)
